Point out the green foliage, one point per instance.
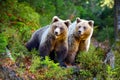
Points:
(109, 3)
(92, 65)
(18, 23)
(46, 11)
(35, 63)
(110, 73)
(105, 33)
(48, 69)
(85, 73)
(90, 62)
(117, 60)
(27, 14)
(3, 43)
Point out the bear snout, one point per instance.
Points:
(56, 33)
(79, 32)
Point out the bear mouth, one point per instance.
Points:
(57, 36)
(79, 34)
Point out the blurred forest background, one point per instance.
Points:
(20, 18)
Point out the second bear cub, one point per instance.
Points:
(79, 37)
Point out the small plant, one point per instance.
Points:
(110, 73)
(107, 33)
(47, 69)
(90, 62)
(3, 43)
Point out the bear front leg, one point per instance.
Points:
(70, 59)
(61, 55)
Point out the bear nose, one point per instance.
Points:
(56, 33)
(79, 32)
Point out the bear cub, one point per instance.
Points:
(51, 40)
(79, 37)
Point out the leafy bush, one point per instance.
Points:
(117, 61)
(19, 22)
(47, 69)
(105, 33)
(3, 43)
(90, 62)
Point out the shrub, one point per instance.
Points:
(47, 69)
(3, 43)
(105, 33)
(90, 62)
(20, 21)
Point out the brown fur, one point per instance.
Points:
(78, 40)
(55, 44)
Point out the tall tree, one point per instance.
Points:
(117, 19)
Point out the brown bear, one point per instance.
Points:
(51, 40)
(79, 37)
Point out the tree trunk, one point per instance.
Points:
(117, 19)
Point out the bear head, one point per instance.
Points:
(59, 27)
(84, 28)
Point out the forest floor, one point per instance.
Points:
(9, 69)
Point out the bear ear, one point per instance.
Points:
(78, 20)
(67, 23)
(91, 22)
(55, 19)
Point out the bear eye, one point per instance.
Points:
(55, 26)
(79, 26)
(84, 27)
(61, 28)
